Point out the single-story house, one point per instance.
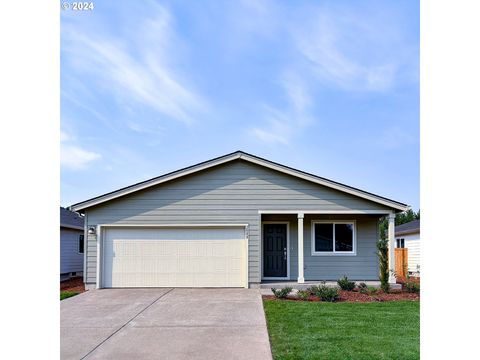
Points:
(233, 221)
(408, 236)
(72, 233)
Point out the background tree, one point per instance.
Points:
(400, 219)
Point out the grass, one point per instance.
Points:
(67, 294)
(317, 330)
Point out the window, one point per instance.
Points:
(81, 244)
(400, 243)
(330, 238)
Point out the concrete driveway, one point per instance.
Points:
(164, 324)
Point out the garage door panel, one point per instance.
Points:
(213, 257)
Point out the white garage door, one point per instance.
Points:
(174, 257)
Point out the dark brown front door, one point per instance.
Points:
(275, 250)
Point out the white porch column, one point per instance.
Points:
(391, 248)
(301, 278)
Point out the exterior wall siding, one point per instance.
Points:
(412, 242)
(234, 193)
(70, 259)
(362, 266)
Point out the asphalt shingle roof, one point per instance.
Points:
(410, 227)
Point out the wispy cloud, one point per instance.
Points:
(135, 70)
(350, 48)
(337, 68)
(139, 128)
(277, 129)
(298, 97)
(72, 156)
(283, 124)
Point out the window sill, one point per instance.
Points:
(333, 254)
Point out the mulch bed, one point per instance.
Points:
(74, 284)
(355, 296)
(414, 279)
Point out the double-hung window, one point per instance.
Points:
(333, 238)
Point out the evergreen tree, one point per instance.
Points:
(400, 219)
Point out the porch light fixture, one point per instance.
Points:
(91, 230)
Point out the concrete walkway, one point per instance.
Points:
(164, 324)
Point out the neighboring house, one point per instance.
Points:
(71, 243)
(408, 236)
(233, 221)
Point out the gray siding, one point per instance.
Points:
(229, 193)
(362, 266)
(70, 259)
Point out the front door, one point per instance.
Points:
(275, 250)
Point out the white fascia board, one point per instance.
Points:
(324, 183)
(408, 232)
(229, 158)
(153, 182)
(71, 226)
(327, 212)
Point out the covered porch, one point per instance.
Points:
(303, 248)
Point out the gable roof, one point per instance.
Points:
(238, 155)
(411, 227)
(70, 219)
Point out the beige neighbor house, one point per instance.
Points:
(234, 221)
(408, 236)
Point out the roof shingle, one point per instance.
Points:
(408, 228)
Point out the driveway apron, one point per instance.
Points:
(164, 324)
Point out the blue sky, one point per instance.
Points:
(328, 87)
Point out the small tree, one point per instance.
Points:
(382, 253)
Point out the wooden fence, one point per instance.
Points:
(401, 264)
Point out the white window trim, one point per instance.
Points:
(334, 253)
(398, 241)
(78, 244)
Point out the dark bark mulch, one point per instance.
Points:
(414, 279)
(355, 296)
(74, 284)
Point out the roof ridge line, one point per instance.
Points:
(230, 157)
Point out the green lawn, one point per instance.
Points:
(67, 294)
(317, 330)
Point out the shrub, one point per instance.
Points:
(412, 287)
(303, 294)
(371, 290)
(368, 290)
(326, 293)
(282, 293)
(382, 253)
(313, 289)
(346, 284)
(363, 288)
